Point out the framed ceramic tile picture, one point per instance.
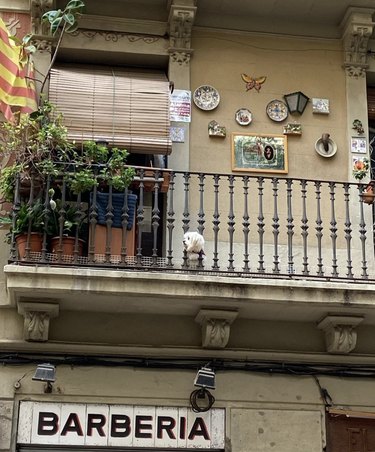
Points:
(259, 153)
(358, 145)
(320, 106)
(292, 129)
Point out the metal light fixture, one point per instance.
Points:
(205, 378)
(201, 399)
(45, 372)
(296, 102)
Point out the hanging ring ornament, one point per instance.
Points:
(202, 395)
(325, 146)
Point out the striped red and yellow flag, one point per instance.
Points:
(17, 88)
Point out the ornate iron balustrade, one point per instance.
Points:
(252, 225)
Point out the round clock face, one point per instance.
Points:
(277, 110)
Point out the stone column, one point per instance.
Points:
(180, 23)
(357, 30)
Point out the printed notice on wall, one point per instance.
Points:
(180, 108)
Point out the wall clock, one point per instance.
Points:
(277, 110)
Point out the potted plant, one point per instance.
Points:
(64, 224)
(368, 194)
(27, 225)
(96, 164)
(34, 142)
(103, 172)
(36, 146)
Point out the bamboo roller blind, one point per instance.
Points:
(123, 107)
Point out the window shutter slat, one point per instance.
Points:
(124, 107)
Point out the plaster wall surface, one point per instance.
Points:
(262, 411)
(311, 66)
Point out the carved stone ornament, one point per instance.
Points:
(181, 19)
(17, 23)
(38, 8)
(12, 24)
(115, 36)
(215, 327)
(180, 57)
(340, 334)
(356, 71)
(42, 43)
(36, 319)
(357, 32)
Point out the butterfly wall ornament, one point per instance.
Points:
(251, 82)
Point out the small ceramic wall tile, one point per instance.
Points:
(320, 106)
(216, 130)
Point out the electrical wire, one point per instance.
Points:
(273, 49)
(270, 367)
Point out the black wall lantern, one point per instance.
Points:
(205, 378)
(45, 372)
(296, 102)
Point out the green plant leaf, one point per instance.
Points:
(69, 18)
(50, 16)
(74, 4)
(55, 25)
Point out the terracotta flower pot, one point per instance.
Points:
(66, 247)
(35, 243)
(149, 181)
(368, 195)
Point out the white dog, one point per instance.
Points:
(194, 246)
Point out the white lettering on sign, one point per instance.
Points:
(119, 426)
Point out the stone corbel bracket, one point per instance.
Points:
(37, 319)
(215, 327)
(340, 334)
(357, 30)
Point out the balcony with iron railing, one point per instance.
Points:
(295, 250)
(253, 226)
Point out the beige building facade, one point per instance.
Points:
(291, 340)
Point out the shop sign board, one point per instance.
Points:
(80, 424)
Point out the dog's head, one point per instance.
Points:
(193, 242)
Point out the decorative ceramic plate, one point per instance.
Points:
(277, 110)
(243, 117)
(206, 97)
